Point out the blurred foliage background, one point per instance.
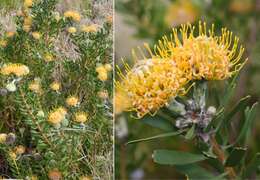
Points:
(146, 21)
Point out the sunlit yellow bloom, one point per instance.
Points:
(36, 35)
(3, 137)
(72, 101)
(90, 28)
(56, 116)
(35, 86)
(206, 55)
(3, 43)
(54, 174)
(103, 76)
(26, 28)
(108, 67)
(72, 30)
(10, 34)
(17, 69)
(48, 57)
(151, 83)
(181, 12)
(55, 86)
(19, 149)
(28, 21)
(73, 15)
(81, 117)
(28, 3)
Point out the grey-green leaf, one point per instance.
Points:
(190, 133)
(158, 122)
(170, 157)
(156, 137)
(235, 157)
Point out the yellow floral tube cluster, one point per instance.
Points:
(16, 69)
(176, 61)
(151, 83)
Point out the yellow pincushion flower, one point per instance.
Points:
(35, 86)
(205, 56)
(48, 57)
(54, 174)
(72, 30)
(56, 116)
(3, 43)
(90, 28)
(28, 3)
(3, 137)
(10, 34)
(73, 15)
(17, 69)
(108, 67)
(26, 28)
(151, 83)
(81, 117)
(102, 72)
(36, 35)
(103, 76)
(85, 178)
(19, 149)
(55, 86)
(72, 101)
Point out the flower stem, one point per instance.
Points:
(221, 157)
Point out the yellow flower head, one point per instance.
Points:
(17, 69)
(35, 86)
(28, 21)
(206, 55)
(151, 83)
(56, 116)
(72, 30)
(36, 35)
(72, 101)
(181, 12)
(10, 34)
(28, 3)
(81, 117)
(19, 149)
(103, 76)
(48, 58)
(3, 43)
(108, 67)
(26, 28)
(90, 28)
(54, 174)
(55, 86)
(73, 15)
(3, 138)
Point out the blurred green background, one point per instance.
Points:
(139, 21)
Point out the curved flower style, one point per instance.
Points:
(208, 56)
(151, 83)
